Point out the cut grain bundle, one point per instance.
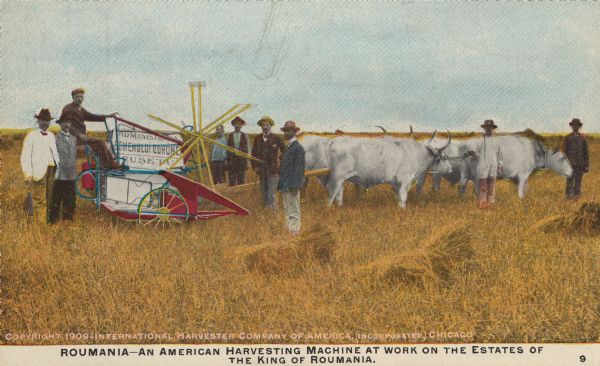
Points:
(318, 244)
(271, 259)
(552, 224)
(439, 260)
(291, 258)
(448, 251)
(586, 220)
(412, 268)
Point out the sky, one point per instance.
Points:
(326, 65)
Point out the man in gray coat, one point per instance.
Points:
(64, 188)
(575, 147)
(291, 177)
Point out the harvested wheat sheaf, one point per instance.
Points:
(586, 220)
(552, 224)
(317, 245)
(412, 268)
(270, 259)
(439, 260)
(448, 251)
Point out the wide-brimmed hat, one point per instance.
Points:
(238, 120)
(77, 91)
(66, 119)
(290, 125)
(44, 115)
(489, 123)
(266, 119)
(575, 122)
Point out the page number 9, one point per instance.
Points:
(582, 358)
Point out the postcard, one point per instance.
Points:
(309, 183)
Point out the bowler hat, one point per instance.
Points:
(489, 123)
(44, 115)
(238, 121)
(77, 91)
(289, 125)
(266, 119)
(576, 122)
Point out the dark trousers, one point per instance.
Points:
(236, 176)
(573, 189)
(63, 195)
(217, 168)
(102, 151)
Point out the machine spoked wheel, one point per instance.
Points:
(162, 207)
(85, 184)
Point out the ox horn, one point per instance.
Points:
(383, 129)
(447, 143)
(433, 135)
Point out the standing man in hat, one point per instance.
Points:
(38, 162)
(575, 147)
(218, 156)
(291, 177)
(489, 165)
(78, 115)
(237, 165)
(64, 187)
(266, 147)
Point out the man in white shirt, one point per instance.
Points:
(39, 159)
(489, 166)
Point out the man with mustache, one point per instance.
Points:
(39, 158)
(64, 188)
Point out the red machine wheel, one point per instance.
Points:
(162, 206)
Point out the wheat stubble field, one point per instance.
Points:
(367, 268)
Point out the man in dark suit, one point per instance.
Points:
(266, 147)
(237, 165)
(291, 177)
(575, 147)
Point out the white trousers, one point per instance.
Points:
(291, 206)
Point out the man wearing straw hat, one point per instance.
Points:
(237, 165)
(291, 177)
(39, 158)
(575, 147)
(266, 148)
(489, 165)
(78, 115)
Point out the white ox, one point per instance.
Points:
(316, 150)
(462, 166)
(521, 156)
(372, 161)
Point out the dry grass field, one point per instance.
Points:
(368, 268)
